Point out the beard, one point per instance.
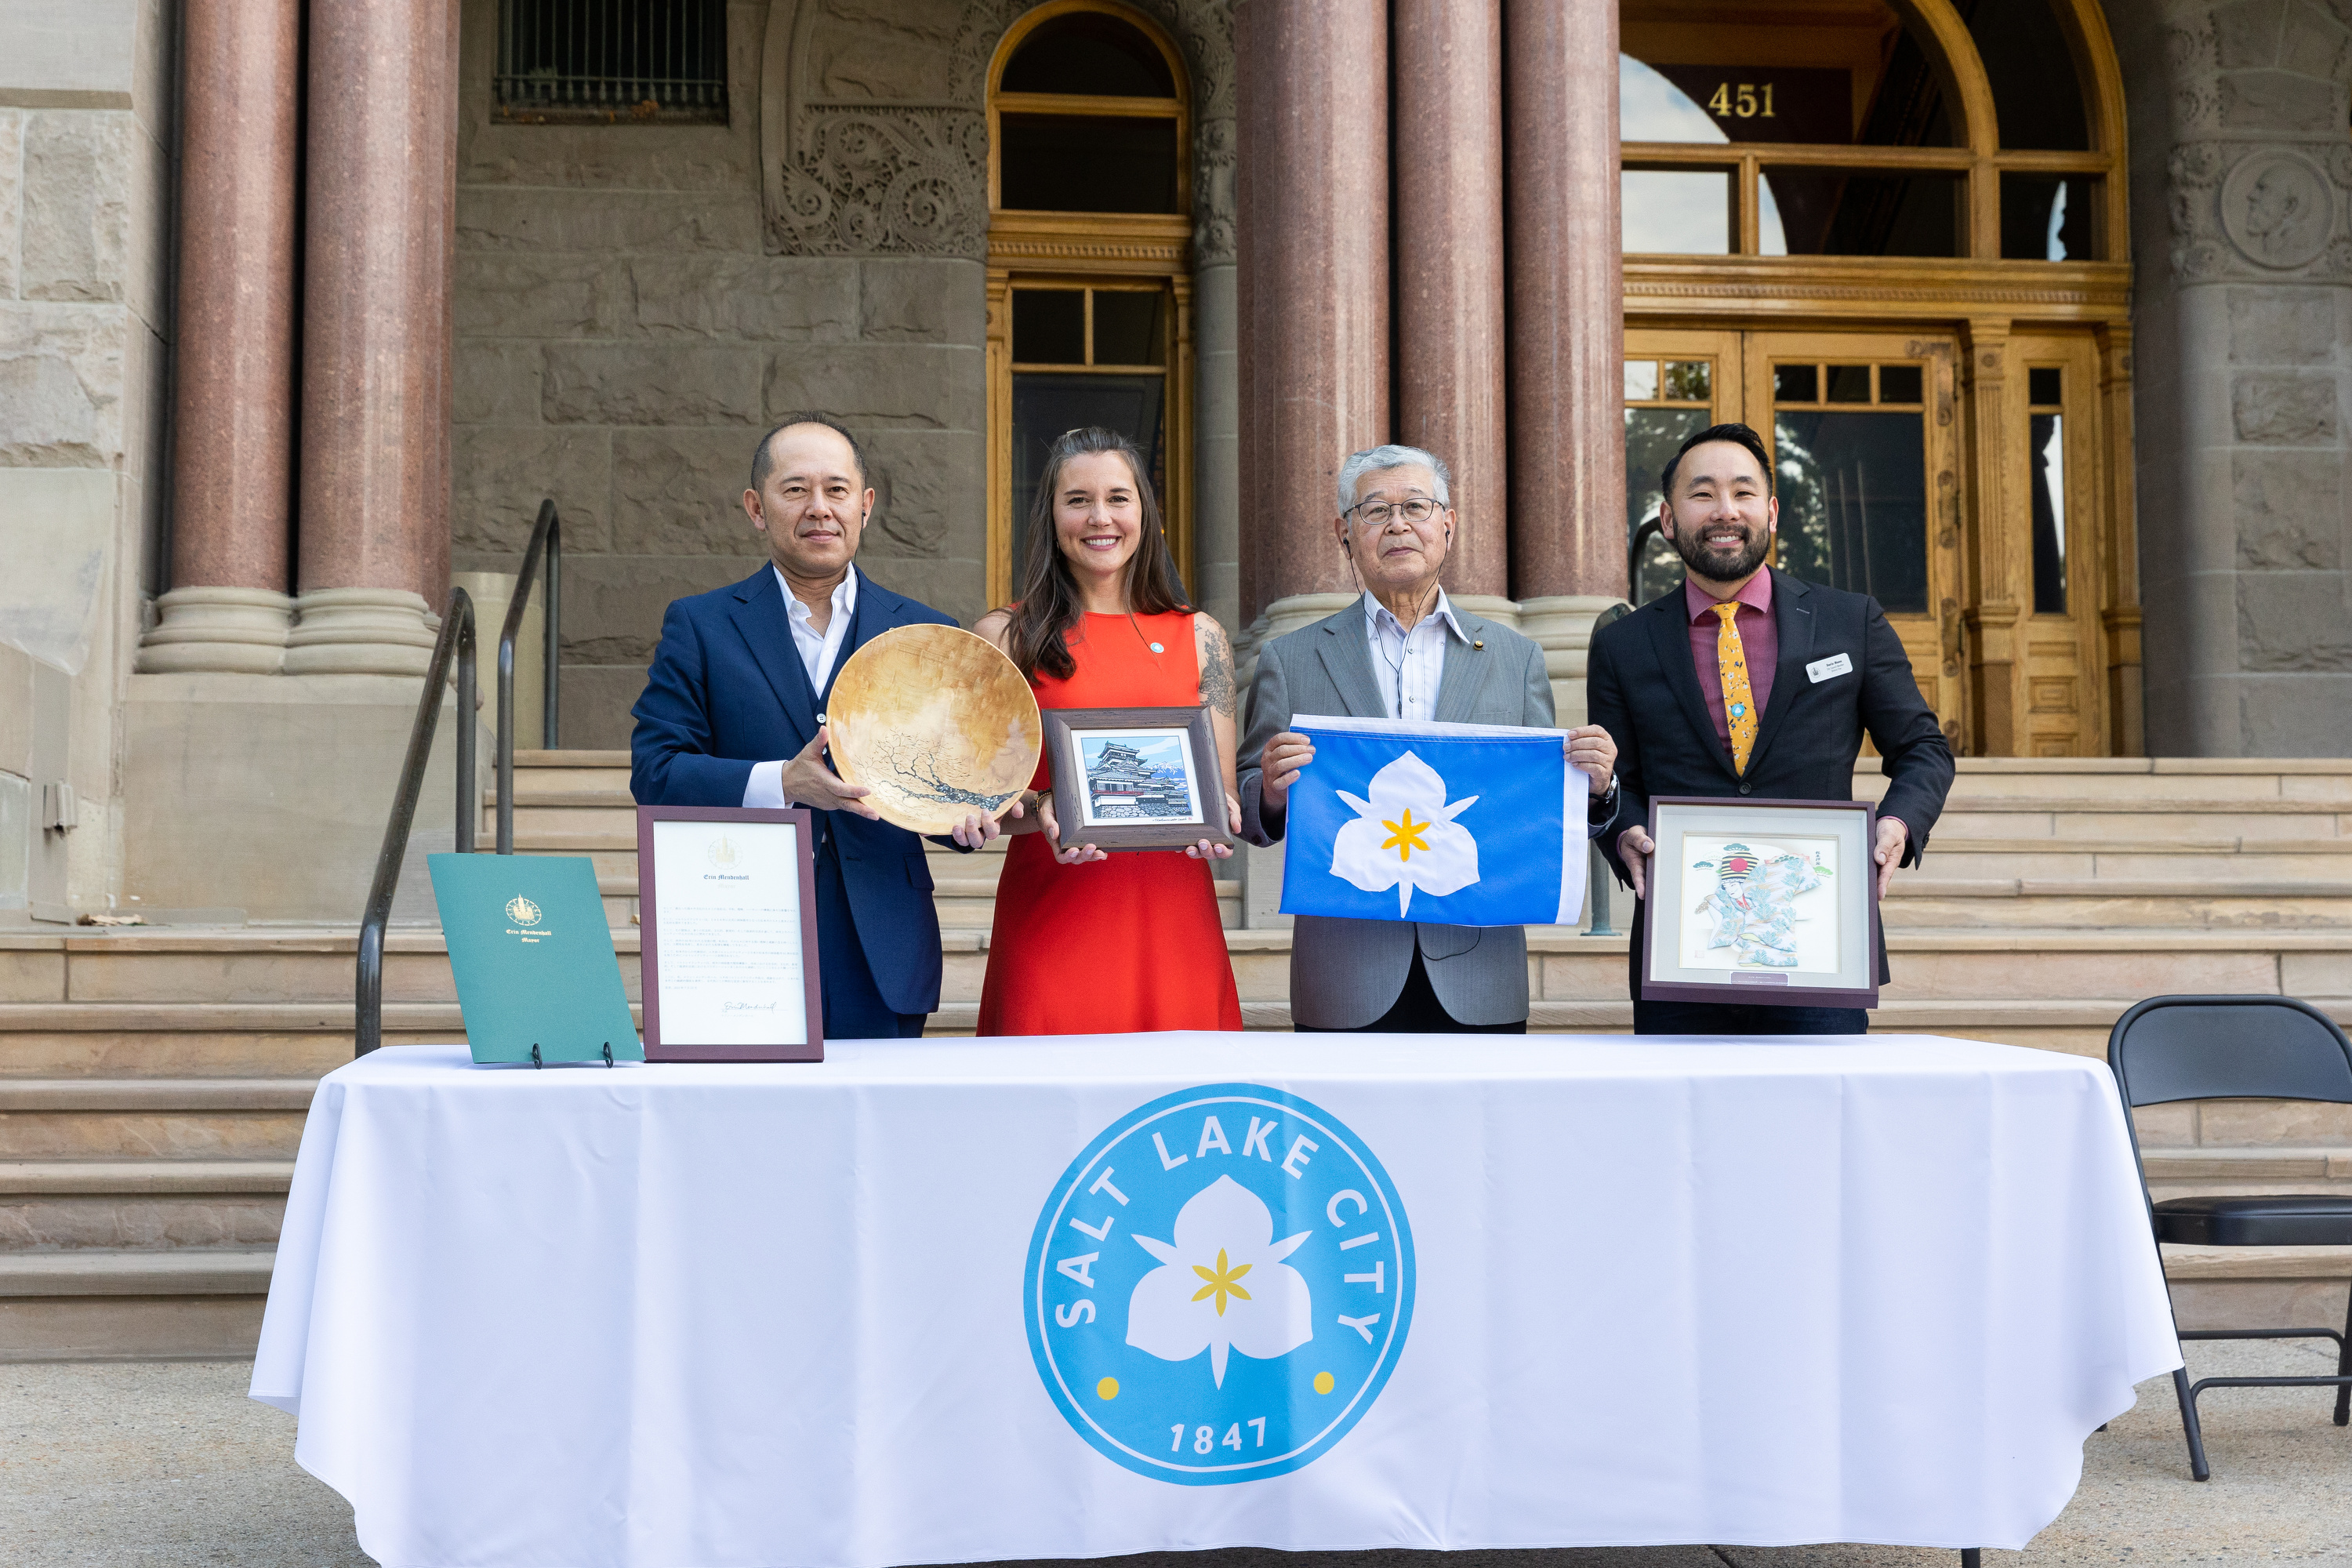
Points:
(1708, 564)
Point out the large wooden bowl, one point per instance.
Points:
(936, 723)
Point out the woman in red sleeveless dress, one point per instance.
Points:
(1088, 943)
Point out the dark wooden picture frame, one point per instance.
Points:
(1208, 778)
(1763, 993)
(658, 1050)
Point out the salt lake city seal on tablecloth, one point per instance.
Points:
(1218, 1286)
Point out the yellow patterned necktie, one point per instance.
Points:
(1739, 702)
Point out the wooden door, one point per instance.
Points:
(1861, 426)
(1862, 430)
(2053, 544)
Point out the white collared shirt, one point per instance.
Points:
(819, 651)
(1407, 666)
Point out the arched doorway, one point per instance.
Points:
(1089, 289)
(1897, 250)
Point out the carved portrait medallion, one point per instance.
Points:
(2278, 209)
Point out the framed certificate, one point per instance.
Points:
(1136, 778)
(727, 916)
(1772, 901)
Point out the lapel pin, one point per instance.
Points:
(1477, 645)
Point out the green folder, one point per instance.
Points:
(533, 957)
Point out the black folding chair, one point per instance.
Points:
(2171, 1048)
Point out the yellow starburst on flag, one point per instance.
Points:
(1408, 835)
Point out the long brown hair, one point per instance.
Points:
(1049, 605)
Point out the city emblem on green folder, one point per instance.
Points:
(538, 978)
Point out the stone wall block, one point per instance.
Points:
(929, 494)
(2278, 100)
(613, 604)
(2293, 621)
(953, 586)
(2285, 410)
(2298, 716)
(796, 299)
(637, 159)
(12, 195)
(497, 382)
(884, 386)
(2313, 42)
(531, 295)
(2281, 326)
(502, 473)
(2247, 32)
(680, 492)
(77, 205)
(494, 218)
(925, 302)
(62, 371)
(597, 384)
(2290, 509)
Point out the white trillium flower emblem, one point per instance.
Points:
(1222, 1285)
(1405, 836)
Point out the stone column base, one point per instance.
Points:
(1284, 615)
(361, 631)
(226, 631)
(1562, 625)
(1488, 607)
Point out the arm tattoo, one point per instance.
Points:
(1217, 670)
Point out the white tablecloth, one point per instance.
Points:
(1761, 1292)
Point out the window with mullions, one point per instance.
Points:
(1666, 403)
(1849, 448)
(611, 61)
(1089, 296)
(1751, 128)
(1086, 357)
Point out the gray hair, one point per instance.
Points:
(1373, 459)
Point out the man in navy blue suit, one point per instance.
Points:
(729, 716)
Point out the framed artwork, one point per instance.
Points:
(727, 927)
(1771, 901)
(1136, 778)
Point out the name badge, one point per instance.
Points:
(1821, 670)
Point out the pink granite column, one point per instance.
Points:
(1567, 329)
(233, 364)
(375, 346)
(1314, 284)
(1449, 261)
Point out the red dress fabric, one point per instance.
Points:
(1122, 945)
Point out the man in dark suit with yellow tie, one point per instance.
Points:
(1745, 681)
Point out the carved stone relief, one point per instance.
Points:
(2261, 173)
(873, 125)
(2277, 210)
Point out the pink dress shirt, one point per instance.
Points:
(1759, 634)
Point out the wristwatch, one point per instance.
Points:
(1604, 804)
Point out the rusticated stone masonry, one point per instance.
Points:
(2243, 216)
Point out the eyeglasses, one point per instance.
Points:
(1378, 513)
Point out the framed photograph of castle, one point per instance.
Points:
(1136, 778)
(1771, 901)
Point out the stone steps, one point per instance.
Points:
(153, 1081)
(168, 965)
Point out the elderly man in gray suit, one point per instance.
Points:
(1403, 651)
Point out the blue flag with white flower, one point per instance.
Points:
(1469, 825)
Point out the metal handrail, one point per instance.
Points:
(457, 636)
(546, 538)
